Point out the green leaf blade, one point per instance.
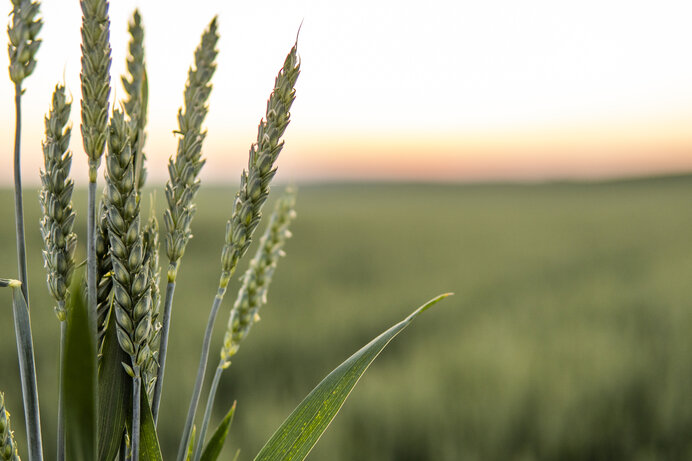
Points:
(114, 395)
(215, 445)
(79, 381)
(299, 433)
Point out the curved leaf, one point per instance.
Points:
(213, 449)
(303, 428)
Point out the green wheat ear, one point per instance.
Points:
(151, 262)
(254, 182)
(8, 447)
(56, 201)
(23, 32)
(184, 170)
(130, 276)
(95, 77)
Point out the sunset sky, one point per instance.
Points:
(459, 90)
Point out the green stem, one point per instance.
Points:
(136, 398)
(18, 202)
(91, 256)
(185, 440)
(165, 327)
(207, 412)
(22, 323)
(60, 455)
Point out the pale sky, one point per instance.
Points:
(402, 90)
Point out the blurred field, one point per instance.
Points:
(569, 337)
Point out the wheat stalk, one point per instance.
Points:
(247, 208)
(8, 446)
(130, 276)
(251, 296)
(183, 184)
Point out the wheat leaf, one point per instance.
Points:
(213, 448)
(114, 396)
(79, 381)
(303, 428)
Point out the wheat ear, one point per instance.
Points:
(24, 42)
(136, 89)
(251, 296)
(95, 82)
(247, 208)
(59, 241)
(8, 446)
(151, 262)
(183, 184)
(131, 288)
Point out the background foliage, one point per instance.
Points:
(568, 337)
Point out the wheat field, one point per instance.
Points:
(568, 337)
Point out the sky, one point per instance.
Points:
(400, 90)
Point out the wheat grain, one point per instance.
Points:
(8, 446)
(56, 202)
(23, 32)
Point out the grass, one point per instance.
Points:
(568, 337)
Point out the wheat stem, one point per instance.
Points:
(166, 322)
(18, 201)
(60, 454)
(207, 411)
(136, 398)
(189, 421)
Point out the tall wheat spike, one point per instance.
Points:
(247, 208)
(131, 286)
(183, 183)
(59, 241)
